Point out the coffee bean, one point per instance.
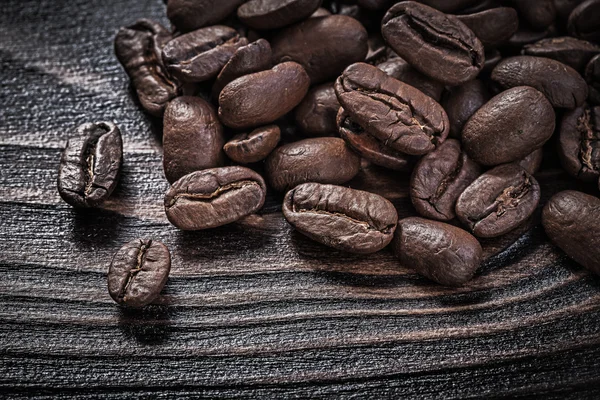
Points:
(441, 252)
(398, 68)
(253, 57)
(138, 272)
(532, 162)
(448, 6)
(321, 160)
(273, 14)
(538, 14)
(192, 137)
(343, 218)
(188, 15)
(323, 46)
(509, 126)
(579, 143)
(438, 45)
(138, 48)
(255, 146)
(561, 84)
(592, 77)
(439, 178)
(526, 35)
(565, 7)
(199, 55)
(316, 114)
(492, 27)
(575, 53)
(583, 21)
(399, 115)
(462, 102)
(90, 165)
(214, 197)
(498, 201)
(369, 147)
(571, 221)
(261, 98)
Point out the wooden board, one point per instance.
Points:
(253, 309)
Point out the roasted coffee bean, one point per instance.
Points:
(448, 6)
(138, 48)
(568, 50)
(399, 115)
(439, 178)
(583, 21)
(462, 102)
(438, 45)
(494, 26)
(192, 137)
(345, 219)
(90, 165)
(369, 147)
(561, 84)
(321, 160)
(398, 68)
(592, 77)
(188, 15)
(539, 14)
(323, 46)
(200, 55)
(509, 126)
(571, 221)
(532, 162)
(579, 143)
(441, 252)
(255, 146)
(261, 98)
(214, 197)
(316, 114)
(138, 272)
(498, 201)
(253, 57)
(526, 35)
(273, 14)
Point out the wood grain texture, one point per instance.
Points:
(252, 310)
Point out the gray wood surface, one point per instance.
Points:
(253, 309)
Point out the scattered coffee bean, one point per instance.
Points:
(90, 165)
(592, 77)
(316, 114)
(188, 15)
(398, 68)
(255, 146)
(583, 21)
(342, 218)
(214, 197)
(575, 53)
(494, 26)
(441, 252)
(579, 143)
(462, 102)
(138, 272)
(273, 14)
(538, 14)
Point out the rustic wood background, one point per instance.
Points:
(254, 309)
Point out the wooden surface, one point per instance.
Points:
(254, 309)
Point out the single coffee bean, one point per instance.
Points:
(561, 84)
(462, 102)
(189, 15)
(261, 98)
(538, 14)
(571, 221)
(494, 26)
(316, 114)
(579, 143)
(399, 115)
(370, 148)
(532, 162)
(525, 35)
(398, 68)
(214, 197)
(323, 46)
(441, 252)
(273, 14)
(253, 57)
(200, 55)
(592, 77)
(138, 272)
(509, 126)
(192, 137)
(448, 6)
(583, 21)
(138, 48)
(498, 201)
(438, 45)
(439, 178)
(575, 53)
(345, 219)
(255, 146)
(321, 160)
(90, 165)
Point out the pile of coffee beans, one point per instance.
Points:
(460, 94)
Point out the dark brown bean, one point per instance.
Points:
(579, 143)
(539, 14)
(316, 114)
(462, 102)
(571, 51)
(255, 146)
(583, 21)
(273, 14)
(494, 26)
(188, 15)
